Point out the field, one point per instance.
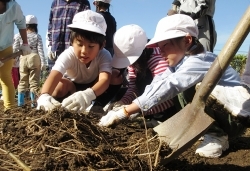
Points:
(61, 140)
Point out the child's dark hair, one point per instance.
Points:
(195, 48)
(91, 36)
(141, 64)
(100, 4)
(32, 27)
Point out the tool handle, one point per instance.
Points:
(11, 56)
(223, 60)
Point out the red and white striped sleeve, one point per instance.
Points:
(132, 91)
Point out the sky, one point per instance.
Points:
(147, 13)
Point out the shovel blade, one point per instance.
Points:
(183, 129)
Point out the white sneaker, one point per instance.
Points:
(234, 99)
(212, 146)
(1, 98)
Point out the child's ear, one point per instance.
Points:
(103, 45)
(188, 40)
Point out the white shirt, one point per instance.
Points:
(68, 63)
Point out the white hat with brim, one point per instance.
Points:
(31, 19)
(124, 61)
(129, 43)
(177, 25)
(90, 21)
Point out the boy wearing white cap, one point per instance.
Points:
(32, 64)
(83, 71)
(102, 7)
(176, 36)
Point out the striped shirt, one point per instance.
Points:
(61, 15)
(35, 43)
(157, 65)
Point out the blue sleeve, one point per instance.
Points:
(170, 83)
(19, 17)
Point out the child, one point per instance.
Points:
(102, 7)
(82, 71)
(32, 64)
(10, 14)
(61, 15)
(177, 38)
(143, 64)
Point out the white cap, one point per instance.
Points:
(31, 19)
(129, 43)
(177, 25)
(90, 21)
(105, 1)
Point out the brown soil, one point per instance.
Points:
(61, 140)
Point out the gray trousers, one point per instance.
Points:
(207, 33)
(30, 70)
(245, 78)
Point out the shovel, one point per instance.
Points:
(11, 56)
(183, 129)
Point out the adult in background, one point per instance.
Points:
(245, 78)
(202, 11)
(61, 15)
(102, 7)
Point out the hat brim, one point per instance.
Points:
(123, 62)
(87, 27)
(165, 36)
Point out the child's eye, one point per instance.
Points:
(79, 44)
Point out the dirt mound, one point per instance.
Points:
(61, 140)
(65, 141)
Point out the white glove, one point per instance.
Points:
(43, 67)
(48, 102)
(133, 116)
(1, 64)
(79, 101)
(113, 117)
(114, 106)
(25, 48)
(51, 55)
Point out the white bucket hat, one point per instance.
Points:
(31, 19)
(129, 43)
(105, 1)
(173, 26)
(90, 21)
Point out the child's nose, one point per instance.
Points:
(84, 50)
